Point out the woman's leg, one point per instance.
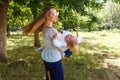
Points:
(47, 70)
(48, 75)
(55, 69)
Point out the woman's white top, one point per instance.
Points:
(50, 53)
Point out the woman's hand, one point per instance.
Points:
(55, 36)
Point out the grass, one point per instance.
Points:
(26, 64)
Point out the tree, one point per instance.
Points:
(111, 14)
(18, 14)
(80, 8)
(34, 6)
(117, 1)
(3, 13)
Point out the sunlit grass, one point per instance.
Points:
(103, 40)
(26, 64)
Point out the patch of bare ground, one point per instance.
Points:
(113, 68)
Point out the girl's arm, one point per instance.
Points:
(56, 42)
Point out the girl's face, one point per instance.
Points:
(53, 15)
(70, 39)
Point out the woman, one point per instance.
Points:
(51, 55)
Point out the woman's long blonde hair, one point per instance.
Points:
(37, 25)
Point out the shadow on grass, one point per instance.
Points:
(26, 64)
(84, 67)
(87, 65)
(23, 64)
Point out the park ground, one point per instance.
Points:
(98, 58)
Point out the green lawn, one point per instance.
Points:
(26, 64)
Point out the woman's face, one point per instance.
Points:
(53, 15)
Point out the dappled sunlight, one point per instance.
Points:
(96, 60)
(105, 45)
(20, 39)
(96, 41)
(24, 52)
(24, 63)
(84, 67)
(113, 68)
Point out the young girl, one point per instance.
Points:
(67, 42)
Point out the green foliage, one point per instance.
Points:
(111, 14)
(85, 14)
(117, 1)
(21, 12)
(1, 1)
(58, 25)
(35, 7)
(92, 22)
(70, 18)
(18, 14)
(72, 10)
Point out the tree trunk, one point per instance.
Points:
(3, 14)
(36, 39)
(89, 26)
(8, 30)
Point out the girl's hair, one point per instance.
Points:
(37, 24)
(73, 47)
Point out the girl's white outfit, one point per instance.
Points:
(60, 41)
